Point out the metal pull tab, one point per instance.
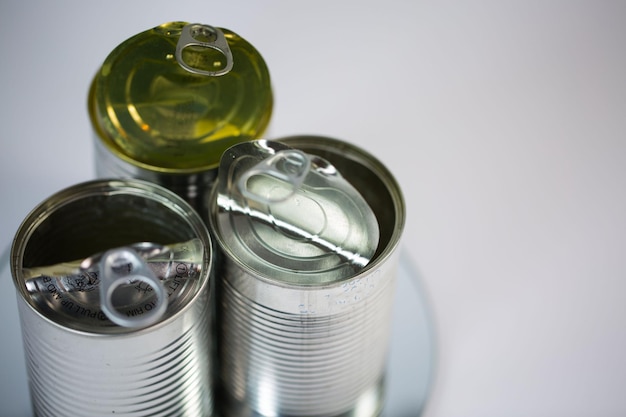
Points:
(203, 36)
(123, 266)
(289, 166)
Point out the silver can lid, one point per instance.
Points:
(291, 216)
(129, 286)
(111, 256)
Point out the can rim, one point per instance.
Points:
(114, 186)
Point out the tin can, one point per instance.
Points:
(168, 101)
(296, 347)
(79, 362)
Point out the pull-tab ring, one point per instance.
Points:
(289, 166)
(203, 36)
(113, 266)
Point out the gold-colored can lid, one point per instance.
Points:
(175, 97)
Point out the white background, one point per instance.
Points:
(503, 121)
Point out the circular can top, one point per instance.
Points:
(175, 97)
(291, 216)
(89, 259)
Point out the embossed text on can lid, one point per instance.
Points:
(175, 97)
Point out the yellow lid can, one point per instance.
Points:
(172, 99)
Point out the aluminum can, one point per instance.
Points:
(168, 101)
(78, 362)
(315, 349)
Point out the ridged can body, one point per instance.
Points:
(78, 363)
(193, 187)
(311, 350)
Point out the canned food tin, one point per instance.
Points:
(81, 363)
(168, 101)
(302, 347)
